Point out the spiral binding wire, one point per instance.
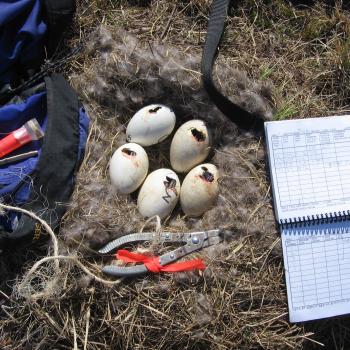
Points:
(312, 220)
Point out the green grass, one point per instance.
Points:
(286, 112)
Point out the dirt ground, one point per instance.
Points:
(278, 59)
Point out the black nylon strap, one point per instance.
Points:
(53, 179)
(235, 113)
(59, 14)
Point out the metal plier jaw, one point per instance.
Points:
(193, 241)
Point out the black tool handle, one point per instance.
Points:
(121, 271)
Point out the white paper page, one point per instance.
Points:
(310, 166)
(317, 270)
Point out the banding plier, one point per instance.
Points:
(194, 241)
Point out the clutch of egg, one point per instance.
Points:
(128, 168)
(199, 190)
(150, 125)
(159, 193)
(190, 145)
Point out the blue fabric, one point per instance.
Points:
(84, 122)
(15, 179)
(22, 32)
(13, 176)
(12, 117)
(22, 35)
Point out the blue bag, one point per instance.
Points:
(42, 183)
(28, 30)
(22, 39)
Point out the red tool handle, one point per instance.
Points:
(9, 144)
(153, 264)
(26, 133)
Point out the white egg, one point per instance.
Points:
(190, 145)
(150, 125)
(199, 189)
(128, 167)
(159, 193)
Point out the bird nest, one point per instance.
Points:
(239, 301)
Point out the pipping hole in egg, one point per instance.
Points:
(154, 110)
(129, 152)
(207, 175)
(170, 185)
(198, 135)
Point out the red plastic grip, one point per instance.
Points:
(8, 144)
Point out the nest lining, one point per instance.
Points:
(240, 300)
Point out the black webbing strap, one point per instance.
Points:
(54, 176)
(216, 25)
(59, 14)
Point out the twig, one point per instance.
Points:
(87, 325)
(74, 335)
(167, 26)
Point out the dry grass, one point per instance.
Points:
(275, 57)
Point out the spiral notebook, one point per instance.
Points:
(310, 170)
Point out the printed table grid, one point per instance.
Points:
(318, 269)
(310, 170)
(313, 174)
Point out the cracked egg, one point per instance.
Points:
(190, 145)
(128, 168)
(150, 125)
(159, 193)
(199, 190)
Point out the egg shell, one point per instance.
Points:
(159, 193)
(150, 125)
(199, 190)
(128, 168)
(190, 145)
